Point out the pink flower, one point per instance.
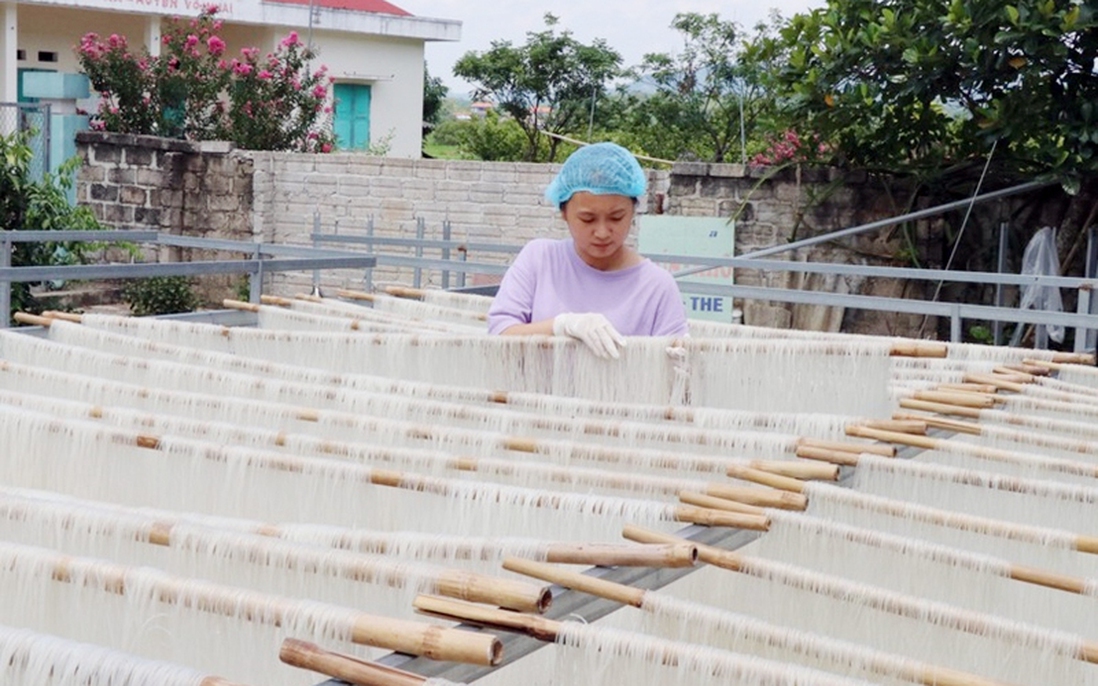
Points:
(242, 68)
(116, 41)
(325, 147)
(264, 75)
(249, 53)
(320, 92)
(215, 45)
(290, 40)
(192, 40)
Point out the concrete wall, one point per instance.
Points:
(284, 197)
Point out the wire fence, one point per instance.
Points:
(32, 119)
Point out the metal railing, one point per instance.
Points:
(1084, 320)
(262, 258)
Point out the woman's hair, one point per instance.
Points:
(602, 169)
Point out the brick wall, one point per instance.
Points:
(181, 187)
(486, 202)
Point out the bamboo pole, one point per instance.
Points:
(737, 563)
(954, 425)
(912, 348)
(940, 408)
(275, 300)
(1032, 367)
(983, 452)
(1013, 375)
(405, 292)
(850, 447)
(312, 657)
(957, 398)
(356, 295)
(1073, 358)
(997, 381)
(782, 483)
(759, 497)
(619, 593)
(230, 304)
(467, 613)
(907, 426)
(406, 636)
(804, 471)
(707, 501)
(32, 319)
(967, 387)
(691, 514)
(835, 457)
(64, 316)
(608, 555)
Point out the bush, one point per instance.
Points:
(158, 295)
(39, 205)
(274, 102)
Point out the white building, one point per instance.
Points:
(373, 49)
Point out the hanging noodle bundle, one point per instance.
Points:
(29, 658)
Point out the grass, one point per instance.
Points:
(443, 152)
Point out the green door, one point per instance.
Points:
(352, 116)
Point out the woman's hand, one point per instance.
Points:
(594, 329)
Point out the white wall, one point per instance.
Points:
(392, 66)
(8, 31)
(394, 70)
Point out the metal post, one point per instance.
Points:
(461, 276)
(316, 244)
(368, 277)
(421, 228)
(446, 255)
(255, 286)
(955, 323)
(997, 326)
(1088, 303)
(5, 285)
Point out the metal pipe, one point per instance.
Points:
(881, 223)
(997, 327)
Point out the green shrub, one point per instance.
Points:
(160, 295)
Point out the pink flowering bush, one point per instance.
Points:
(276, 101)
(194, 90)
(789, 148)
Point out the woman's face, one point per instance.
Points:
(599, 225)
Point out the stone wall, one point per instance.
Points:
(775, 207)
(180, 187)
(172, 186)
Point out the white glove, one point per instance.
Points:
(593, 329)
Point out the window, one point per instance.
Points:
(21, 55)
(47, 56)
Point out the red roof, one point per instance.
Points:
(373, 6)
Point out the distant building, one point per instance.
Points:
(373, 49)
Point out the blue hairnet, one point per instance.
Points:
(602, 169)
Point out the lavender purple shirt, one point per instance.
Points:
(549, 278)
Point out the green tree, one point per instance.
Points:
(928, 87)
(545, 85)
(434, 101)
(710, 98)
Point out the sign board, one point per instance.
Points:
(663, 234)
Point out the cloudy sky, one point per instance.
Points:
(632, 27)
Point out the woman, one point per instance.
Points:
(592, 287)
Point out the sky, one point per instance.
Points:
(632, 27)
